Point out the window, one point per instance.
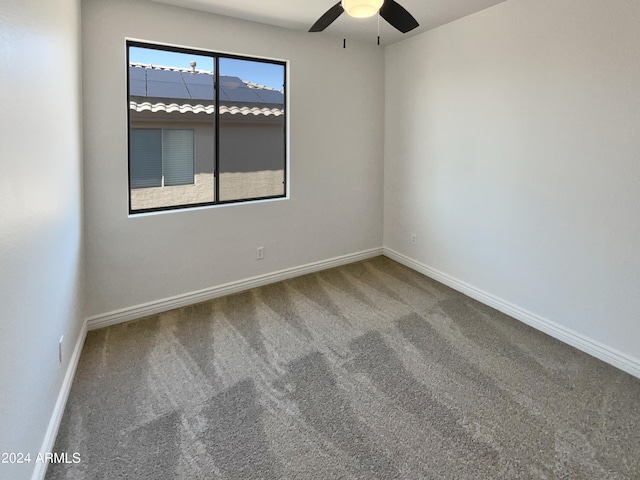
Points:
(161, 157)
(204, 128)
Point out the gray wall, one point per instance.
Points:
(336, 153)
(264, 152)
(512, 149)
(40, 217)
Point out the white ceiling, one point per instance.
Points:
(301, 14)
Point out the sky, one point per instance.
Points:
(267, 74)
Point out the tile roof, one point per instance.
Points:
(199, 108)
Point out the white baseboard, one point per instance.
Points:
(152, 308)
(61, 403)
(599, 350)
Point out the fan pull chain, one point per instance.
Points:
(344, 23)
(378, 27)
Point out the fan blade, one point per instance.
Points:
(328, 18)
(397, 16)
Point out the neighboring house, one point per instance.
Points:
(172, 147)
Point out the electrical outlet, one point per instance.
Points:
(260, 253)
(414, 239)
(60, 349)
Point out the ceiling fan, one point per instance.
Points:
(390, 10)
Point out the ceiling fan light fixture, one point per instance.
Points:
(362, 8)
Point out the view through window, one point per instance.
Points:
(204, 128)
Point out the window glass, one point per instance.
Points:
(177, 157)
(145, 157)
(251, 129)
(183, 149)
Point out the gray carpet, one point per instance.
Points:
(365, 371)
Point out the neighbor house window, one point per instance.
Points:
(161, 157)
(204, 128)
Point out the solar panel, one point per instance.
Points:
(270, 96)
(223, 95)
(166, 83)
(199, 85)
(197, 78)
(231, 82)
(137, 82)
(167, 89)
(246, 95)
(201, 92)
(137, 73)
(137, 88)
(163, 75)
